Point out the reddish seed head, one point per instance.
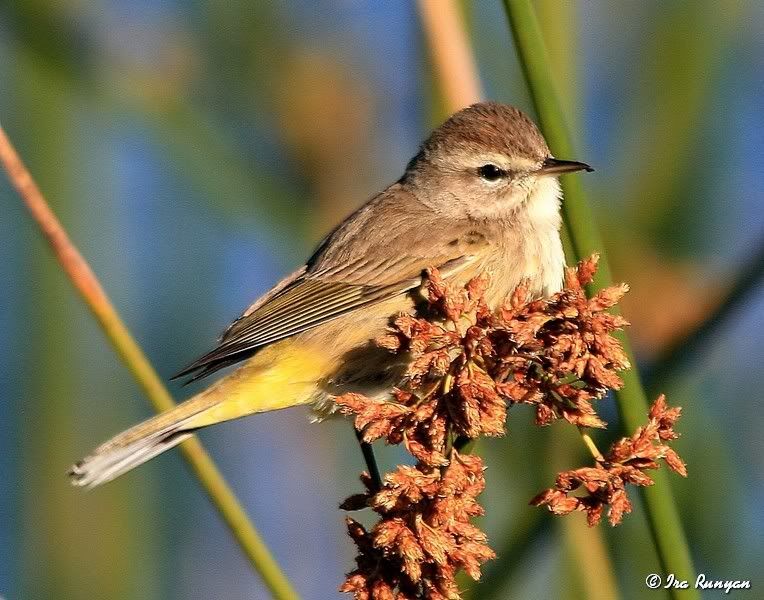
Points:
(468, 366)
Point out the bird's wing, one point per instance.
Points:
(354, 267)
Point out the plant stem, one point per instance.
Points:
(579, 218)
(89, 288)
(452, 58)
(371, 461)
(464, 444)
(665, 525)
(592, 447)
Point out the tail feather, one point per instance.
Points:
(139, 443)
(97, 469)
(277, 377)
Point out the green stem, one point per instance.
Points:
(665, 526)
(86, 283)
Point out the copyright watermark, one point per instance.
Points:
(655, 581)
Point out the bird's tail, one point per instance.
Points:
(279, 376)
(140, 443)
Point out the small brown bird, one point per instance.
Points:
(481, 196)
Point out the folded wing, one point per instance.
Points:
(350, 270)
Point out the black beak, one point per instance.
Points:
(555, 166)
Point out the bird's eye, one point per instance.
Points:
(491, 172)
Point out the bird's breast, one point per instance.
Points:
(535, 256)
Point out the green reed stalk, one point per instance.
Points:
(89, 288)
(456, 72)
(665, 525)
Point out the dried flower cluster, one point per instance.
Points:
(626, 462)
(424, 535)
(467, 365)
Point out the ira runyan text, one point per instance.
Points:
(705, 583)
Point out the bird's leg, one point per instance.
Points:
(371, 462)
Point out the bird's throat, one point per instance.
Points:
(538, 223)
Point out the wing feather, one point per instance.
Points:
(299, 307)
(340, 278)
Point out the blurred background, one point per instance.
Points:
(197, 151)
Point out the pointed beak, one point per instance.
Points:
(555, 166)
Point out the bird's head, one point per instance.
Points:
(488, 160)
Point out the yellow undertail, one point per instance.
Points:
(279, 376)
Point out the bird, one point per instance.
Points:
(480, 197)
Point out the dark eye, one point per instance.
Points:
(491, 172)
